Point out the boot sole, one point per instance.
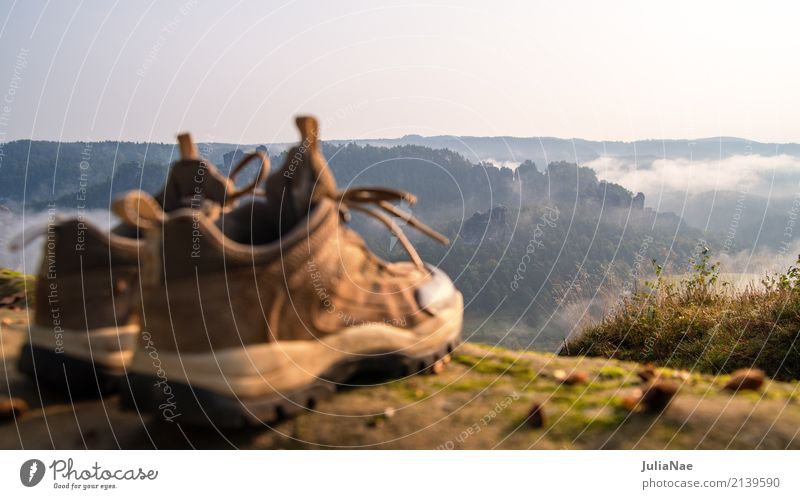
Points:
(69, 375)
(264, 383)
(79, 364)
(182, 403)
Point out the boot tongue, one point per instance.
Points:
(192, 180)
(304, 178)
(190, 183)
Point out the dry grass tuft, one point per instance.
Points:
(702, 324)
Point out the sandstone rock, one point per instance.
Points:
(746, 379)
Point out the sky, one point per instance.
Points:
(239, 71)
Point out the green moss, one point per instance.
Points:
(611, 372)
(12, 282)
(586, 416)
(751, 395)
(493, 348)
(410, 389)
(469, 384)
(497, 365)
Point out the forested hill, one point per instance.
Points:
(40, 172)
(546, 149)
(43, 170)
(40, 159)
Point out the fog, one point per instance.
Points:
(762, 175)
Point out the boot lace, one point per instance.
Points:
(359, 198)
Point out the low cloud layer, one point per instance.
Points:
(763, 175)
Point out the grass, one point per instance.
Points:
(12, 282)
(502, 364)
(700, 322)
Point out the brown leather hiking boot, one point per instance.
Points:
(85, 324)
(261, 313)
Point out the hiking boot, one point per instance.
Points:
(85, 323)
(263, 312)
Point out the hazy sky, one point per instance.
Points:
(239, 71)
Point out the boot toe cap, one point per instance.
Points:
(436, 293)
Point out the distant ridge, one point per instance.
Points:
(513, 150)
(543, 150)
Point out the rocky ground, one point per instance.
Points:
(482, 400)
